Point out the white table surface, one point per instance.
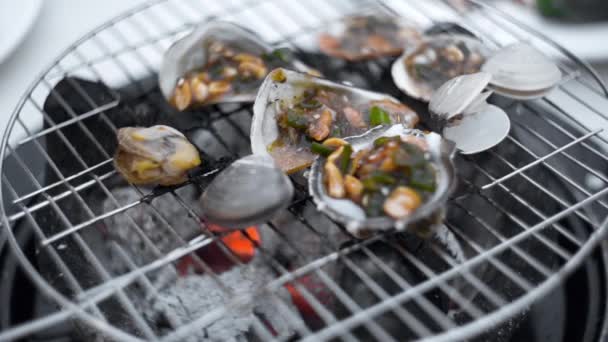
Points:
(60, 23)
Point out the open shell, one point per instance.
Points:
(284, 85)
(366, 37)
(460, 111)
(422, 220)
(421, 89)
(522, 72)
(192, 51)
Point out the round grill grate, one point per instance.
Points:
(133, 263)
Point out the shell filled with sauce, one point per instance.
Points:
(367, 37)
(218, 62)
(389, 178)
(423, 68)
(295, 113)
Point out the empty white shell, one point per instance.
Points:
(422, 221)
(422, 90)
(520, 71)
(465, 117)
(282, 84)
(189, 53)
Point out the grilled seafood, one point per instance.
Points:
(218, 62)
(154, 155)
(368, 37)
(424, 68)
(295, 113)
(389, 177)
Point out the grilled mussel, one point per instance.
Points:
(368, 37)
(295, 113)
(154, 155)
(423, 68)
(389, 177)
(218, 62)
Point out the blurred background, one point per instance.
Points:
(35, 32)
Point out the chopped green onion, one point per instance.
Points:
(296, 121)
(216, 70)
(369, 184)
(282, 54)
(378, 178)
(374, 202)
(383, 140)
(420, 70)
(383, 178)
(321, 149)
(408, 155)
(345, 158)
(423, 178)
(378, 116)
(336, 132)
(417, 155)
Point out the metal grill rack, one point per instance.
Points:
(524, 216)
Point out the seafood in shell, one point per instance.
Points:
(154, 155)
(218, 62)
(295, 112)
(366, 37)
(248, 192)
(401, 199)
(424, 67)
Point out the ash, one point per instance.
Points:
(176, 301)
(154, 238)
(193, 296)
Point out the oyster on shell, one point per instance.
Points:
(154, 155)
(460, 111)
(422, 218)
(424, 67)
(366, 37)
(218, 62)
(522, 72)
(295, 112)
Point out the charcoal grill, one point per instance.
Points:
(524, 216)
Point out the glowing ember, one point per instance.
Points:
(243, 245)
(240, 243)
(316, 288)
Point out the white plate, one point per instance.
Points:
(16, 20)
